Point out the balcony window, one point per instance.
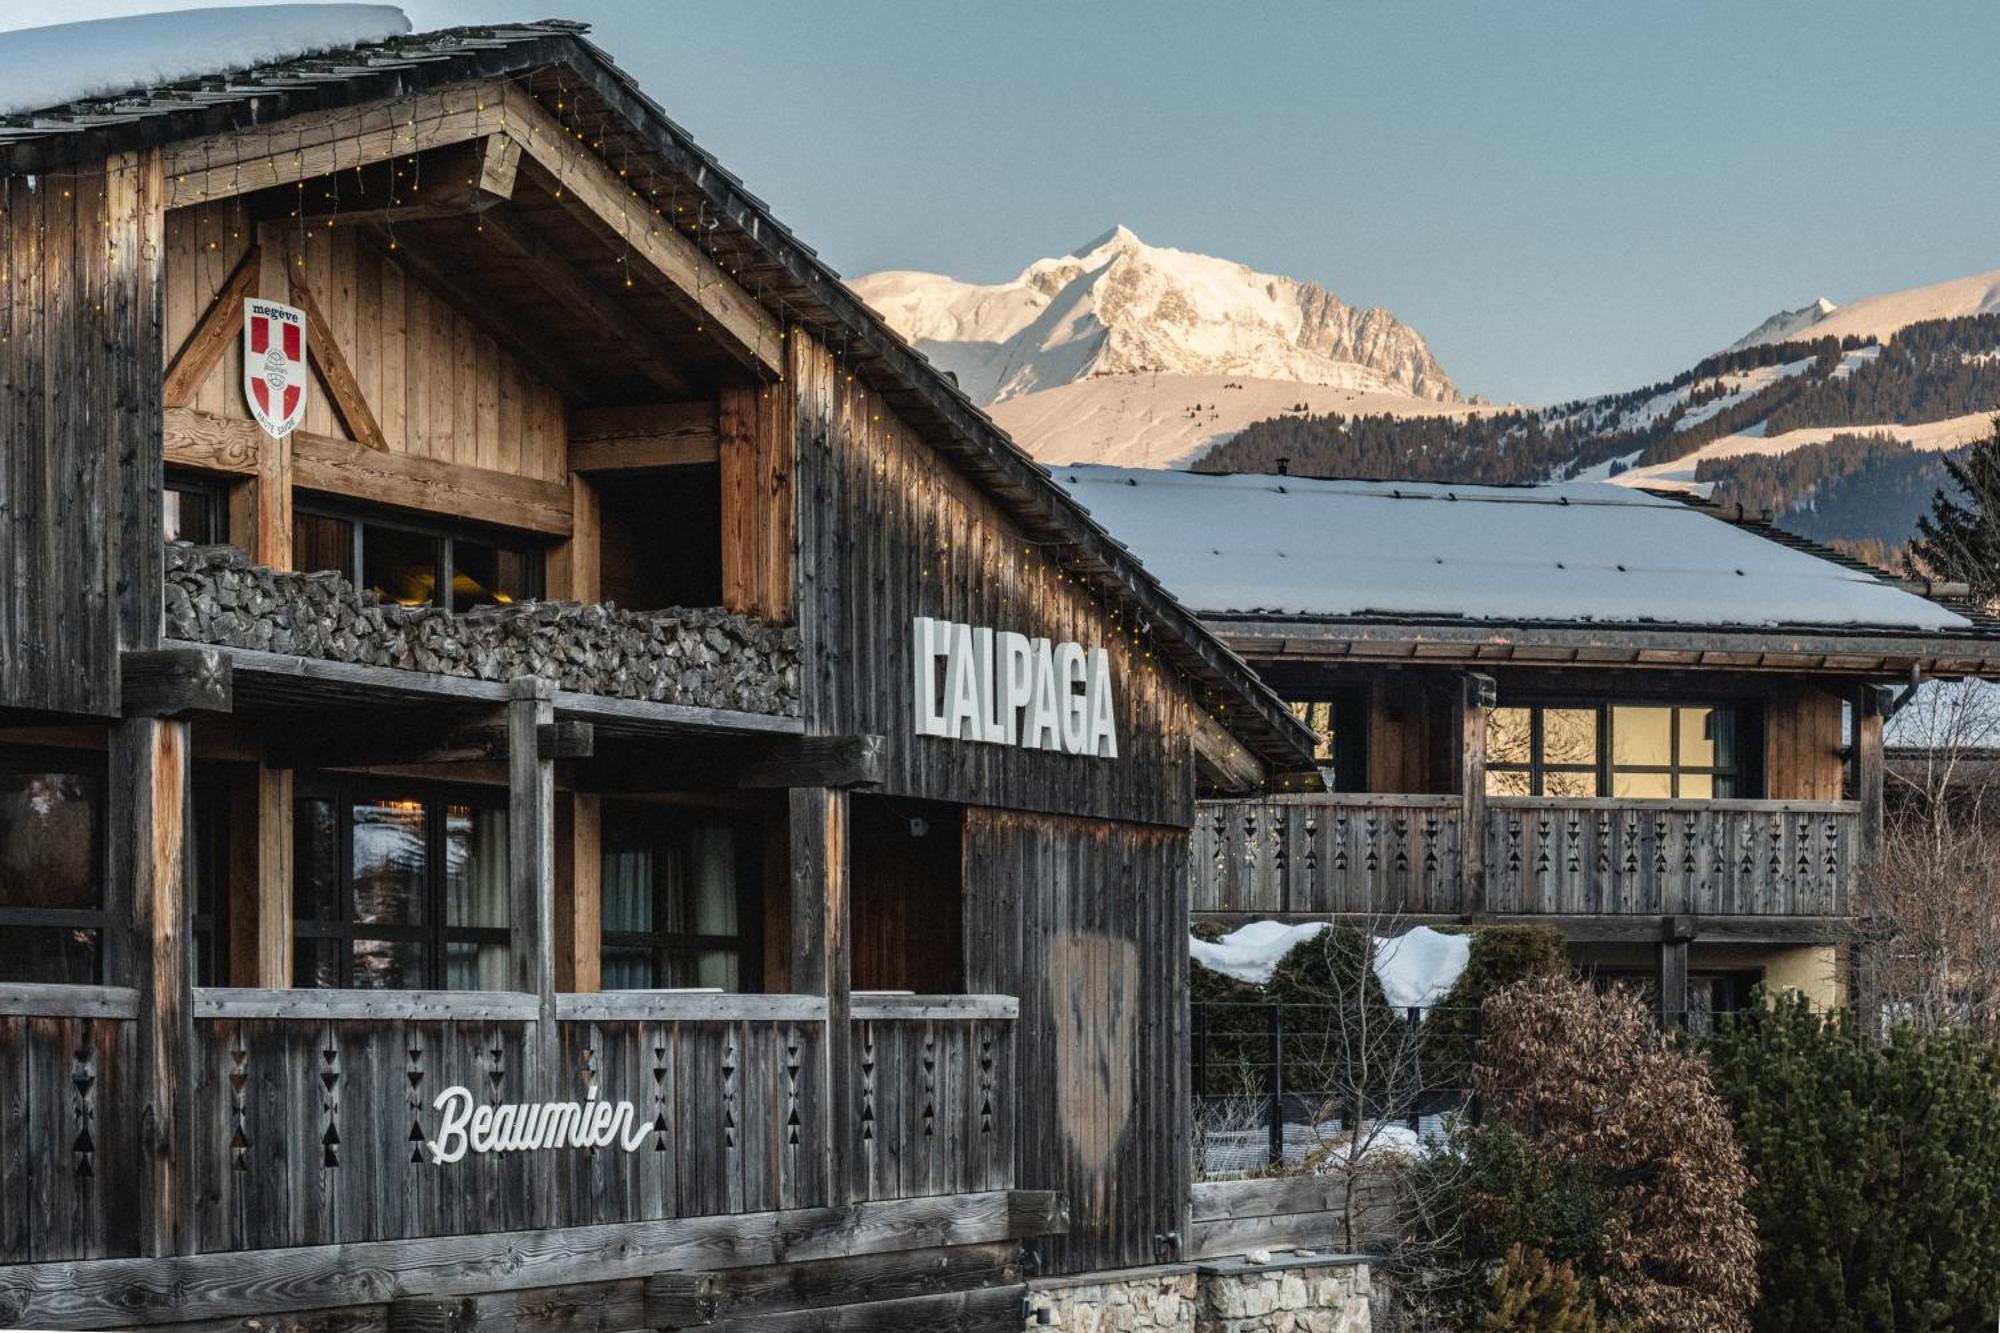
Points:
(192, 511)
(679, 899)
(1632, 751)
(52, 917)
(400, 888)
(413, 564)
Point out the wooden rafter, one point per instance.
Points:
(605, 439)
(219, 323)
(349, 403)
(556, 276)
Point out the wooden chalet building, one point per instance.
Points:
(1623, 714)
(642, 809)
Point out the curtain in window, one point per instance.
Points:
(476, 898)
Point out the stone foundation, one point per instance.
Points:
(703, 656)
(1293, 1295)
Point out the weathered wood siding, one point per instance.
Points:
(69, 1113)
(931, 1102)
(80, 425)
(1802, 746)
(889, 530)
(1328, 854)
(439, 387)
(1086, 922)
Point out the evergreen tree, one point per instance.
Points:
(1960, 538)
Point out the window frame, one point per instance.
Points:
(664, 946)
(210, 494)
(360, 518)
(94, 764)
(1744, 772)
(431, 930)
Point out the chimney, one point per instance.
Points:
(1285, 467)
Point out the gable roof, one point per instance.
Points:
(742, 235)
(1575, 554)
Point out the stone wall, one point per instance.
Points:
(703, 656)
(1298, 1295)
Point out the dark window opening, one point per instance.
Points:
(192, 510)
(400, 887)
(681, 902)
(661, 537)
(208, 877)
(52, 917)
(907, 881)
(1340, 732)
(411, 564)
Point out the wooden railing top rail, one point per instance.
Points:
(668, 1006)
(23, 999)
(470, 1006)
(885, 1005)
(1617, 803)
(1401, 800)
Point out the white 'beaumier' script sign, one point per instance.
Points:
(523, 1126)
(1005, 688)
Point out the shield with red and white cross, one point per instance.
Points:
(274, 365)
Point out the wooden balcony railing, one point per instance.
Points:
(312, 1113)
(1366, 854)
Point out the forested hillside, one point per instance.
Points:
(1852, 489)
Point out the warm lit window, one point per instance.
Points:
(52, 917)
(408, 563)
(1635, 751)
(678, 899)
(400, 888)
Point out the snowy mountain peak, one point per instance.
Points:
(1118, 306)
(1785, 324)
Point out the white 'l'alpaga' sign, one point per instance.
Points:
(1008, 689)
(525, 1126)
(274, 365)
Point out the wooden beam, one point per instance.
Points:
(1477, 694)
(213, 444)
(210, 337)
(1869, 714)
(1232, 765)
(759, 504)
(499, 164)
(323, 350)
(977, 1311)
(122, 1293)
(575, 566)
(353, 470)
(174, 682)
(457, 181)
(820, 959)
(150, 768)
(274, 961)
(636, 343)
(699, 284)
(818, 761)
(585, 1307)
(531, 851)
(603, 439)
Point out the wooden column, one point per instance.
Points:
(574, 565)
(1476, 697)
(148, 877)
(820, 958)
(531, 842)
(1866, 961)
(274, 869)
(1675, 933)
(579, 893)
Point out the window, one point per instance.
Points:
(400, 888)
(1676, 751)
(679, 899)
(1541, 751)
(192, 511)
(409, 563)
(1340, 737)
(1633, 751)
(52, 917)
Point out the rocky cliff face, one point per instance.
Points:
(1121, 307)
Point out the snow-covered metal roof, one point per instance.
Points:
(1568, 552)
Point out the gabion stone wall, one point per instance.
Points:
(704, 656)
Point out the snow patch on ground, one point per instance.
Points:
(42, 68)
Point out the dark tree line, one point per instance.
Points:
(1852, 488)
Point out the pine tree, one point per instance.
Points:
(1959, 539)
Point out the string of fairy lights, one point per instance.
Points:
(660, 200)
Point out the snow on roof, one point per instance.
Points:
(42, 68)
(1571, 551)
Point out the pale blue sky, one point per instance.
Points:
(1563, 198)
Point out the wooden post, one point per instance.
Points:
(274, 876)
(1476, 697)
(574, 566)
(531, 806)
(819, 961)
(271, 543)
(1868, 779)
(1675, 932)
(148, 874)
(579, 893)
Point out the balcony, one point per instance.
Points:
(1328, 854)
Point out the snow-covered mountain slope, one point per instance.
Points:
(1121, 307)
(1880, 316)
(1171, 420)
